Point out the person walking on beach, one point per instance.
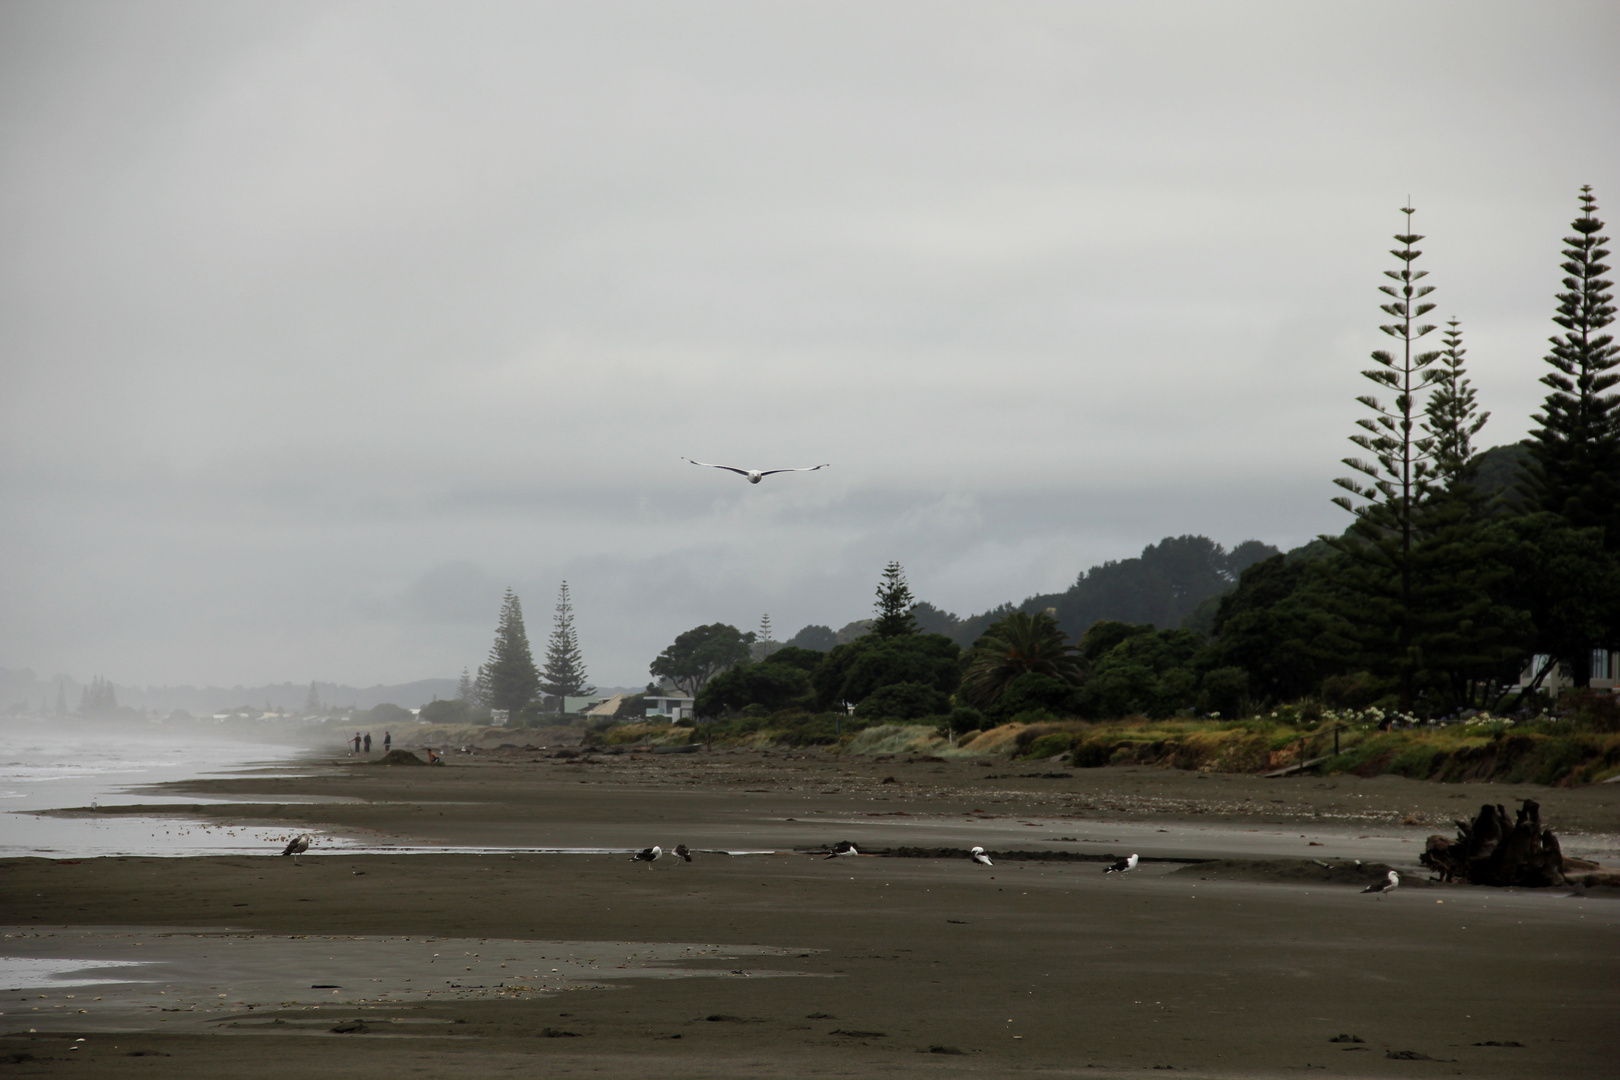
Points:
(357, 742)
(388, 742)
(368, 742)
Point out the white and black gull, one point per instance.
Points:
(1391, 882)
(1121, 866)
(754, 476)
(977, 855)
(843, 847)
(647, 854)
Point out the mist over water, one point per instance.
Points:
(50, 764)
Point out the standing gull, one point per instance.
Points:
(1121, 866)
(647, 854)
(296, 847)
(843, 847)
(1391, 882)
(756, 475)
(978, 856)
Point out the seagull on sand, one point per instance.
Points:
(1121, 866)
(683, 852)
(296, 847)
(978, 856)
(843, 847)
(1391, 882)
(647, 854)
(756, 475)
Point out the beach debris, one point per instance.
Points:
(1391, 882)
(648, 854)
(1489, 851)
(754, 475)
(356, 1027)
(977, 855)
(1347, 1039)
(1121, 866)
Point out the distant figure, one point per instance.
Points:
(683, 852)
(296, 847)
(433, 758)
(1121, 866)
(647, 854)
(388, 742)
(754, 475)
(1391, 882)
(368, 742)
(843, 847)
(980, 857)
(357, 742)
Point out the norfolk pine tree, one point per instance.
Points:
(894, 604)
(1574, 468)
(508, 679)
(565, 666)
(1380, 570)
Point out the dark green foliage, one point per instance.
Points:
(894, 604)
(805, 660)
(1148, 673)
(386, 713)
(1016, 645)
(1566, 584)
(903, 701)
(508, 679)
(565, 666)
(445, 712)
(966, 718)
(1104, 635)
(1497, 475)
(1357, 690)
(819, 638)
(1269, 626)
(1034, 692)
(850, 672)
(770, 686)
(1226, 691)
(1575, 449)
(701, 653)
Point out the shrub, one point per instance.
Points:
(1358, 691)
(1591, 710)
(1226, 691)
(902, 701)
(446, 712)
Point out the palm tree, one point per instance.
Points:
(1016, 645)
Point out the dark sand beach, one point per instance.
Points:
(769, 964)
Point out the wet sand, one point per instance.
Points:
(1247, 967)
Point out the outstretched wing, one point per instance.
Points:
(773, 472)
(728, 468)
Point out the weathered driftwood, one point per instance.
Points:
(1489, 851)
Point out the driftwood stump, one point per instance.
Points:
(1489, 851)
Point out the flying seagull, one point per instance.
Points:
(296, 847)
(1390, 883)
(755, 475)
(1121, 866)
(977, 855)
(843, 847)
(683, 852)
(647, 854)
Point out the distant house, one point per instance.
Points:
(581, 704)
(1605, 672)
(606, 709)
(672, 708)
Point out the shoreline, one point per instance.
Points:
(1240, 968)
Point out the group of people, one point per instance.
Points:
(365, 741)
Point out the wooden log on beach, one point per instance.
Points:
(1490, 851)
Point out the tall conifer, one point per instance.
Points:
(508, 679)
(1574, 468)
(565, 665)
(894, 604)
(1381, 570)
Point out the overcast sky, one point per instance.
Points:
(324, 323)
